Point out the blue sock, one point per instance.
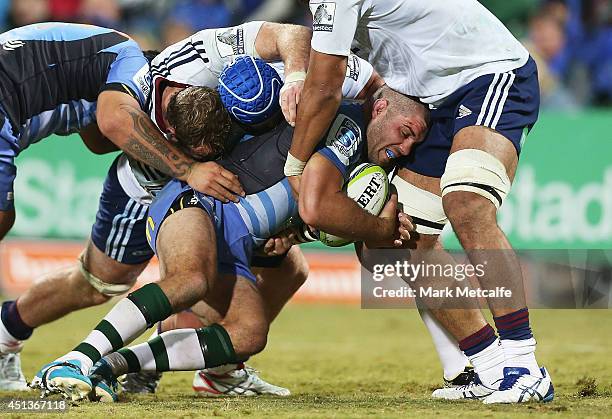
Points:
(13, 322)
(478, 341)
(514, 326)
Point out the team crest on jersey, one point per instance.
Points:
(230, 41)
(12, 45)
(143, 80)
(344, 138)
(353, 67)
(323, 16)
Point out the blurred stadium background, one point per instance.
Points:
(562, 197)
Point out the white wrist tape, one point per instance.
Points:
(293, 166)
(295, 76)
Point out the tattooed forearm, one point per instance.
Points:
(147, 144)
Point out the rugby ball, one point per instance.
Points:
(368, 185)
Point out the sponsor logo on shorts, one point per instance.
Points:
(230, 41)
(10, 196)
(137, 253)
(353, 67)
(323, 16)
(463, 112)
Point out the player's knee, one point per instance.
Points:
(252, 337)
(258, 337)
(469, 212)
(201, 282)
(185, 289)
(100, 289)
(301, 274)
(89, 295)
(95, 297)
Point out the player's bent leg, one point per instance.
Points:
(478, 176)
(420, 197)
(11, 333)
(92, 281)
(278, 284)
(242, 333)
(188, 266)
(239, 379)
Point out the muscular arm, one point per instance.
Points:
(324, 206)
(121, 121)
(288, 43)
(319, 102)
(95, 141)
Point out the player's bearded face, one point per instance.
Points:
(375, 138)
(392, 135)
(203, 152)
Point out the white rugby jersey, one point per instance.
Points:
(422, 48)
(198, 61)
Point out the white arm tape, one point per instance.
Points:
(476, 171)
(293, 166)
(110, 290)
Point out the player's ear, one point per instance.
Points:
(380, 105)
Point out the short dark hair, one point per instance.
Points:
(199, 120)
(400, 103)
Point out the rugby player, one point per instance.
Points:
(482, 88)
(117, 252)
(58, 78)
(205, 248)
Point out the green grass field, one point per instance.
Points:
(340, 361)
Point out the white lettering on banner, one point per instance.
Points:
(54, 200)
(557, 212)
(334, 279)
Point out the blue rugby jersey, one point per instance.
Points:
(267, 212)
(52, 73)
(270, 208)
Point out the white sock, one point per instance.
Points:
(489, 364)
(124, 321)
(8, 342)
(521, 353)
(222, 369)
(86, 363)
(181, 347)
(453, 360)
